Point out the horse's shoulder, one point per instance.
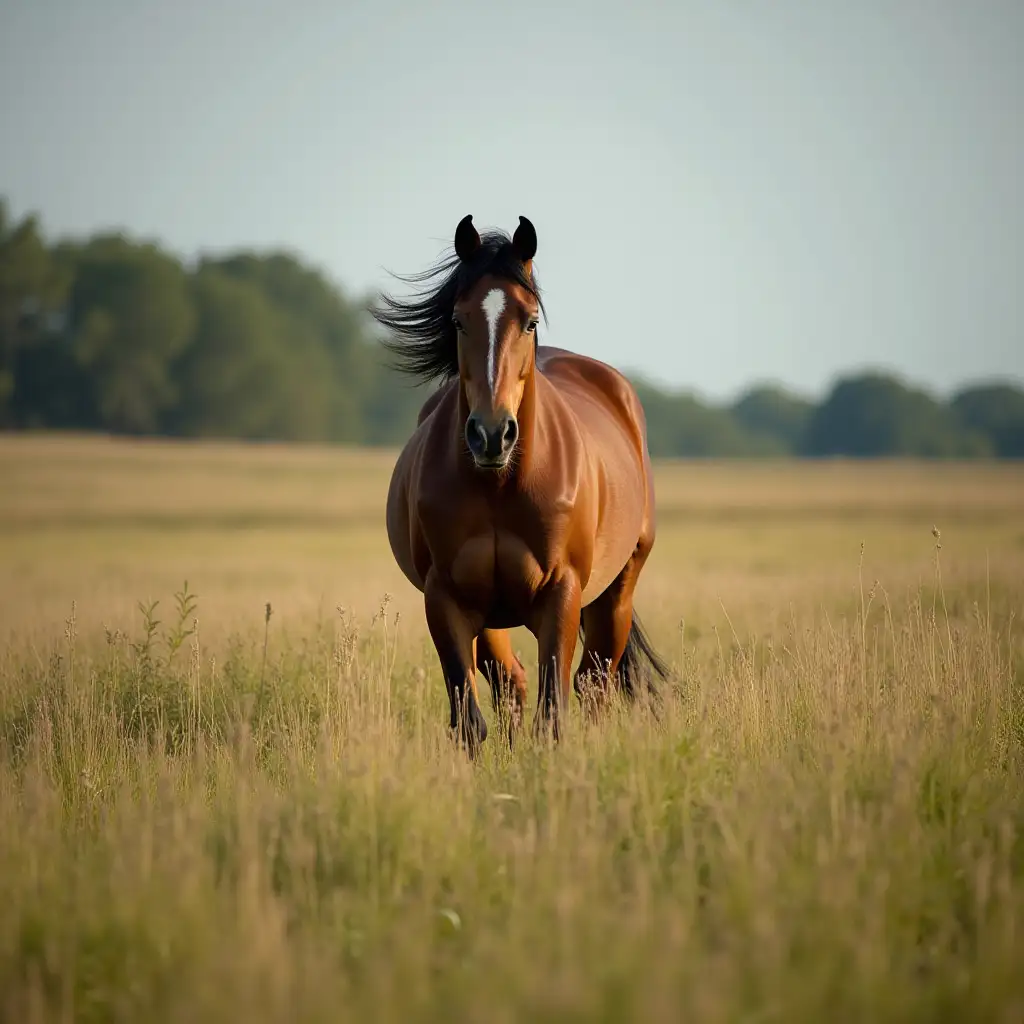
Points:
(589, 374)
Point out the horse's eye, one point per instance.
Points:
(458, 326)
(531, 327)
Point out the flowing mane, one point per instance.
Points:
(423, 341)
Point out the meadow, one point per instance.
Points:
(227, 790)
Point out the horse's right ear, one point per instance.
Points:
(467, 241)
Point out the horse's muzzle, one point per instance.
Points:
(491, 446)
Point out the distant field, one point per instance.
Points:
(108, 523)
(827, 824)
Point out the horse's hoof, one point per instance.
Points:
(471, 731)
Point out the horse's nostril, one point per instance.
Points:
(476, 436)
(511, 432)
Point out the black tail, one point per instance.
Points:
(640, 664)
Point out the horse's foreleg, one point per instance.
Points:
(453, 629)
(556, 623)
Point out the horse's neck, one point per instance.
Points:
(542, 410)
(530, 410)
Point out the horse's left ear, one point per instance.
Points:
(524, 241)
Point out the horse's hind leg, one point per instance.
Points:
(607, 622)
(496, 660)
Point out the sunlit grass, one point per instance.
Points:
(225, 816)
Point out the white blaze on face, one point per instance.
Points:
(493, 306)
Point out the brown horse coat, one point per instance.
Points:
(524, 497)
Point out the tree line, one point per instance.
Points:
(117, 335)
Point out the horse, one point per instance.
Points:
(525, 494)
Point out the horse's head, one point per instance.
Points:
(496, 323)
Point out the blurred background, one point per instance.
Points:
(797, 226)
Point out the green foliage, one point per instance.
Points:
(251, 371)
(997, 411)
(874, 415)
(770, 411)
(32, 289)
(130, 317)
(317, 334)
(117, 335)
(679, 424)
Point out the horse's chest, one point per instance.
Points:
(518, 572)
(497, 571)
(472, 569)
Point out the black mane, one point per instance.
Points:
(424, 342)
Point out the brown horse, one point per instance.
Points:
(525, 495)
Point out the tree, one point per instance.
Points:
(32, 292)
(875, 415)
(772, 412)
(996, 410)
(232, 377)
(328, 321)
(117, 335)
(681, 425)
(131, 316)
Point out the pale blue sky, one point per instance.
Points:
(724, 192)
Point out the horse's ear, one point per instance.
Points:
(466, 238)
(524, 241)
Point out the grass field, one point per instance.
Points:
(205, 815)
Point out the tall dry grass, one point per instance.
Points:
(828, 824)
(269, 823)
